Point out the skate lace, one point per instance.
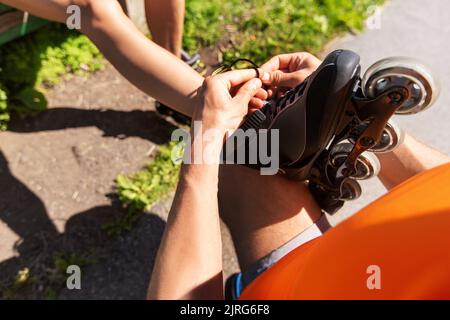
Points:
(224, 67)
(275, 106)
(289, 97)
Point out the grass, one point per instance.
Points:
(45, 279)
(141, 190)
(254, 29)
(259, 29)
(4, 114)
(32, 64)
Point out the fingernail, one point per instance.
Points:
(266, 76)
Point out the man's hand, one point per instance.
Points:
(189, 261)
(286, 71)
(224, 99)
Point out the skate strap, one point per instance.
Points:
(254, 121)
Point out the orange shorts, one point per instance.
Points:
(396, 248)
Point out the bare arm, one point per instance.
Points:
(54, 10)
(148, 66)
(189, 261)
(409, 159)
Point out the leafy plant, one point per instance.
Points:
(38, 61)
(141, 190)
(4, 114)
(259, 29)
(45, 279)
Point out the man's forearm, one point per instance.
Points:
(189, 261)
(409, 159)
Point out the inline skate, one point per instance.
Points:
(330, 126)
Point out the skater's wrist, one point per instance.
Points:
(206, 146)
(223, 100)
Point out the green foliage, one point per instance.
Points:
(259, 29)
(45, 279)
(53, 277)
(61, 261)
(21, 279)
(40, 60)
(28, 101)
(4, 114)
(141, 190)
(349, 13)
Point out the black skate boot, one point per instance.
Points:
(326, 124)
(306, 117)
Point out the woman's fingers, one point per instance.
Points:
(248, 91)
(278, 62)
(261, 94)
(290, 62)
(280, 79)
(288, 70)
(255, 104)
(236, 77)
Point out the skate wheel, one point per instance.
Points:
(404, 72)
(367, 165)
(339, 154)
(350, 190)
(392, 137)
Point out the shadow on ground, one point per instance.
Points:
(114, 123)
(118, 268)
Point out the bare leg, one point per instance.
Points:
(262, 212)
(145, 64)
(409, 159)
(165, 19)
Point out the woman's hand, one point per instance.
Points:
(224, 99)
(286, 71)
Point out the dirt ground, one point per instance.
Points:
(57, 176)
